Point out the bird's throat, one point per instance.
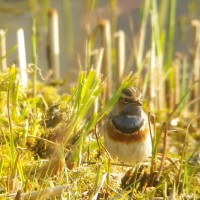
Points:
(127, 123)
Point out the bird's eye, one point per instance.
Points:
(125, 100)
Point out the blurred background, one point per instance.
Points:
(77, 18)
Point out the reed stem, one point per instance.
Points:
(105, 34)
(120, 56)
(22, 57)
(53, 42)
(196, 71)
(34, 56)
(3, 60)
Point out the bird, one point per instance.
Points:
(127, 132)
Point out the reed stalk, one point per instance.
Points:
(172, 15)
(120, 56)
(96, 63)
(44, 10)
(176, 82)
(196, 71)
(162, 13)
(164, 151)
(105, 38)
(140, 49)
(68, 24)
(91, 4)
(96, 60)
(113, 9)
(11, 137)
(3, 60)
(184, 80)
(34, 57)
(53, 42)
(157, 89)
(152, 74)
(22, 58)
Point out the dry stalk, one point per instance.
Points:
(177, 82)
(22, 57)
(39, 194)
(96, 62)
(53, 42)
(3, 62)
(196, 62)
(165, 127)
(105, 36)
(120, 56)
(151, 120)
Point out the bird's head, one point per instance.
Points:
(130, 101)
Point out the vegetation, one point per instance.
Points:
(52, 144)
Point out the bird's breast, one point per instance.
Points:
(118, 135)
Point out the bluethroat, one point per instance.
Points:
(127, 135)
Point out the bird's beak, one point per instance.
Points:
(133, 108)
(137, 103)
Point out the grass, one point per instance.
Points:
(52, 144)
